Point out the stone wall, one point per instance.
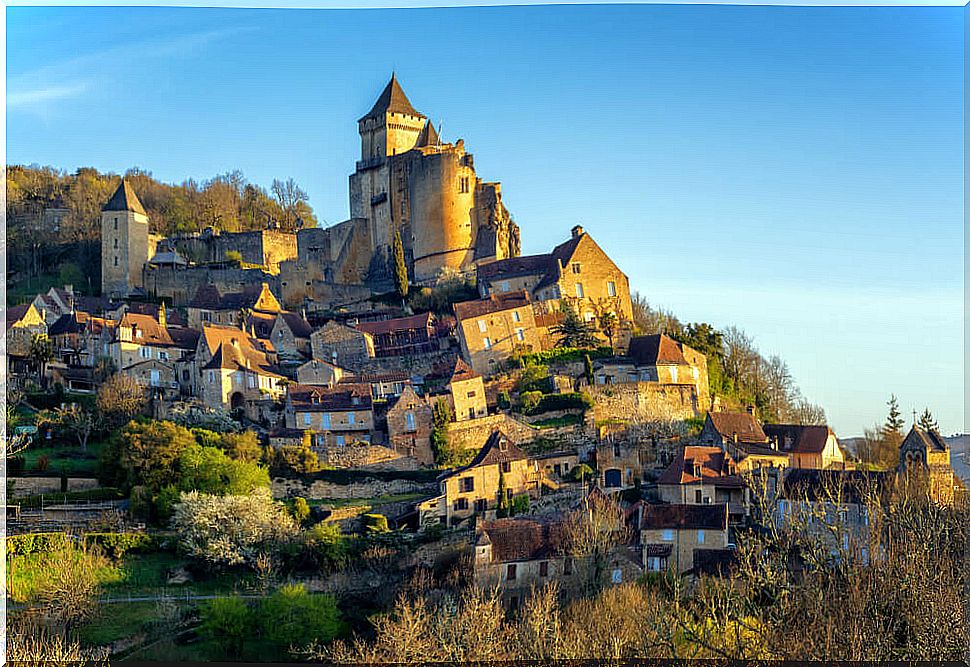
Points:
(21, 487)
(180, 285)
(264, 247)
(472, 433)
(645, 401)
(362, 456)
(368, 487)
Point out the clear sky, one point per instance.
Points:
(797, 172)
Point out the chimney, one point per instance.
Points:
(750, 410)
(578, 231)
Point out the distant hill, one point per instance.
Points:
(960, 455)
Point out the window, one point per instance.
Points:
(307, 418)
(116, 224)
(471, 394)
(116, 260)
(654, 564)
(116, 244)
(579, 291)
(471, 413)
(544, 569)
(145, 352)
(576, 267)
(668, 535)
(463, 184)
(481, 505)
(487, 343)
(351, 418)
(516, 317)
(212, 377)
(467, 484)
(251, 381)
(326, 420)
(409, 421)
(617, 576)
(698, 496)
(616, 450)
(461, 504)
(700, 537)
(505, 286)
(506, 467)
(482, 326)
(673, 374)
(163, 356)
(567, 566)
(589, 316)
(520, 334)
(611, 288)
(155, 377)
(511, 572)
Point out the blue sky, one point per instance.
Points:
(797, 172)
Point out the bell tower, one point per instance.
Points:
(124, 242)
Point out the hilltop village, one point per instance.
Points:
(408, 372)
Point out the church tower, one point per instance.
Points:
(124, 242)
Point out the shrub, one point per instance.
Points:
(118, 544)
(301, 509)
(42, 463)
(35, 543)
(550, 402)
(530, 401)
(520, 505)
(376, 523)
(227, 622)
(16, 465)
(293, 617)
(327, 544)
(533, 377)
(564, 355)
(580, 472)
(504, 400)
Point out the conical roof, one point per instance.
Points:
(124, 199)
(393, 100)
(428, 136)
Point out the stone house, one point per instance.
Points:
(240, 377)
(139, 338)
(577, 269)
(342, 345)
(288, 332)
(338, 416)
(467, 390)
(161, 377)
(657, 358)
(210, 306)
(926, 452)
(383, 386)
(474, 489)
(670, 534)
(23, 323)
(320, 372)
(495, 328)
(740, 435)
(410, 421)
(806, 446)
(705, 476)
(619, 463)
(416, 334)
(78, 338)
(557, 465)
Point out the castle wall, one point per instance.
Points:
(179, 285)
(645, 401)
(264, 247)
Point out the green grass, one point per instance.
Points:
(68, 459)
(169, 651)
(117, 621)
(28, 575)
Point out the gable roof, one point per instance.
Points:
(215, 334)
(429, 136)
(392, 100)
(345, 396)
(517, 540)
(208, 297)
(17, 313)
(495, 303)
(296, 323)
(716, 466)
(657, 349)
(498, 449)
(747, 428)
(238, 357)
(153, 333)
(931, 440)
(799, 439)
(654, 517)
(419, 321)
(124, 199)
(513, 267)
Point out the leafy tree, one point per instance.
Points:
(927, 422)
(400, 268)
(149, 451)
(40, 353)
(573, 331)
(444, 454)
(292, 617)
(78, 422)
(120, 398)
(210, 470)
(648, 320)
(228, 622)
(226, 531)
(608, 324)
(503, 495)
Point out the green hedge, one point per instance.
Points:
(35, 543)
(118, 544)
(100, 494)
(572, 401)
(564, 355)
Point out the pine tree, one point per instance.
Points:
(573, 331)
(503, 496)
(927, 422)
(400, 268)
(588, 369)
(892, 432)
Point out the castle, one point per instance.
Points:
(407, 182)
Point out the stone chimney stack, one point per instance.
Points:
(578, 231)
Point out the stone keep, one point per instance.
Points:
(124, 242)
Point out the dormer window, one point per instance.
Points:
(576, 268)
(503, 445)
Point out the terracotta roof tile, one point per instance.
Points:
(519, 540)
(713, 464)
(345, 396)
(657, 349)
(799, 439)
(743, 424)
(654, 517)
(493, 304)
(419, 321)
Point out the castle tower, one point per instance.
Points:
(124, 242)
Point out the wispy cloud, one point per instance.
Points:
(39, 96)
(38, 89)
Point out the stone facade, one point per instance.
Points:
(368, 487)
(471, 433)
(178, 285)
(645, 401)
(343, 345)
(124, 243)
(409, 424)
(493, 329)
(265, 248)
(670, 534)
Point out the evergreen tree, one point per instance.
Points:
(503, 496)
(573, 331)
(927, 422)
(588, 369)
(400, 268)
(892, 432)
